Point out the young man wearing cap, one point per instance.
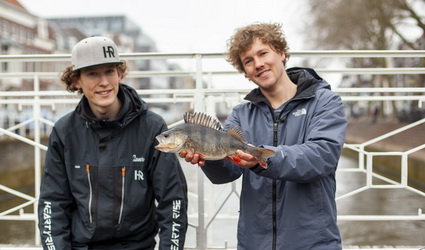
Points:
(104, 184)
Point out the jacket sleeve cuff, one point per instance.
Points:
(257, 169)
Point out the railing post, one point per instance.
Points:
(199, 105)
(369, 170)
(37, 153)
(404, 170)
(201, 234)
(361, 157)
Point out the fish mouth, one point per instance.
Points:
(165, 146)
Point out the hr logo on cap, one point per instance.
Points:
(108, 50)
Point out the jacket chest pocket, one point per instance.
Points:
(109, 193)
(106, 194)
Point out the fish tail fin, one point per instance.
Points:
(262, 155)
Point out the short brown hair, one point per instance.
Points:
(244, 37)
(69, 76)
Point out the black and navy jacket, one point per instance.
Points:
(105, 186)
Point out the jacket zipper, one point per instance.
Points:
(122, 194)
(90, 193)
(275, 141)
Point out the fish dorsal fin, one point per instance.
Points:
(202, 119)
(237, 133)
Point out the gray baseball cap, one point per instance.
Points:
(94, 51)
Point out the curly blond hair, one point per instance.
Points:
(69, 76)
(242, 40)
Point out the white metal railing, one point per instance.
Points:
(203, 97)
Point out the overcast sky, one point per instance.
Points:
(189, 26)
(185, 25)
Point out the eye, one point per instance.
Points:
(111, 71)
(246, 62)
(165, 135)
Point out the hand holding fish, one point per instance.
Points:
(191, 157)
(242, 159)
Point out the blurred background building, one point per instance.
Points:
(22, 33)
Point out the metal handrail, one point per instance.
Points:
(197, 97)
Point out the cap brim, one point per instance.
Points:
(98, 65)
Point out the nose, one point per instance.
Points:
(258, 63)
(103, 81)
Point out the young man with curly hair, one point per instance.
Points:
(104, 185)
(290, 204)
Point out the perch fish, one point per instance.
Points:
(204, 135)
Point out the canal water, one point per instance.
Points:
(223, 228)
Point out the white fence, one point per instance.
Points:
(37, 111)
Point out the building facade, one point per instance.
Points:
(22, 33)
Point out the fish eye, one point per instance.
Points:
(165, 135)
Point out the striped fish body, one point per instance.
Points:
(208, 140)
(210, 143)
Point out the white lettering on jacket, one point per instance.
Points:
(47, 225)
(138, 175)
(138, 159)
(300, 112)
(175, 230)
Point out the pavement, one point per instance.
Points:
(364, 129)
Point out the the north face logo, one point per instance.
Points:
(300, 112)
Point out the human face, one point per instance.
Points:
(100, 85)
(263, 65)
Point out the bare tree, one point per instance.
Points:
(368, 24)
(364, 24)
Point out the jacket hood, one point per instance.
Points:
(306, 79)
(132, 106)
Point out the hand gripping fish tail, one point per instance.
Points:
(204, 135)
(262, 156)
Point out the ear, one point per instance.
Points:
(120, 74)
(283, 57)
(76, 83)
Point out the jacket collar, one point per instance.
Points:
(132, 106)
(306, 79)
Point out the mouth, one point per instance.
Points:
(263, 73)
(104, 93)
